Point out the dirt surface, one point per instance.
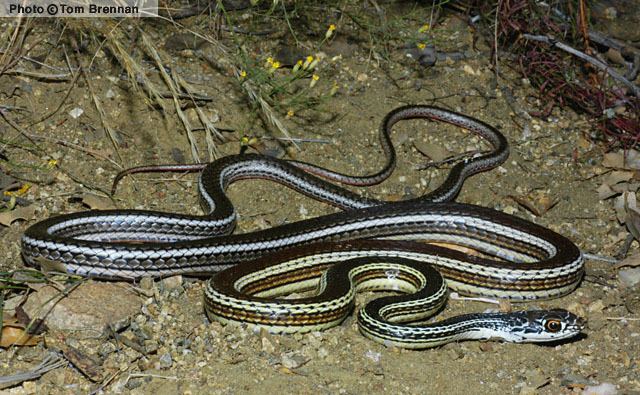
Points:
(552, 160)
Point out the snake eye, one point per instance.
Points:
(553, 326)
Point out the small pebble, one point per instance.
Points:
(373, 355)
(171, 283)
(166, 361)
(526, 390)
(601, 389)
(596, 307)
(151, 346)
(76, 112)
(292, 360)
(29, 387)
(267, 345)
(146, 283)
(629, 277)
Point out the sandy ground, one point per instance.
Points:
(551, 159)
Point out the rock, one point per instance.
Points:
(166, 361)
(536, 378)
(629, 277)
(362, 77)
(171, 283)
(151, 346)
(373, 355)
(267, 345)
(292, 360)
(29, 387)
(486, 347)
(570, 379)
(288, 55)
(596, 307)
(342, 46)
(181, 41)
(526, 390)
(146, 283)
(601, 389)
(106, 349)
(323, 353)
(87, 310)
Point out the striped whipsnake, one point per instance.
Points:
(520, 261)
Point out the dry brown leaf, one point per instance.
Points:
(632, 222)
(622, 203)
(525, 203)
(96, 202)
(546, 203)
(13, 302)
(15, 335)
(50, 266)
(435, 152)
(87, 364)
(630, 261)
(23, 213)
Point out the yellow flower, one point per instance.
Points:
(51, 163)
(23, 189)
(290, 114)
(329, 32)
(314, 80)
(313, 64)
(334, 89)
(243, 74)
(297, 66)
(274, 66)
(424, 28)
(307, 62)
(421, 45)
(269, 62)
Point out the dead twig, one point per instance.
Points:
(17, 128)
(211, 132)
(64, 99)
(595, 62)
(40, 76)
(173, 88)
(71, 145)
(51, 361)
(611, 42)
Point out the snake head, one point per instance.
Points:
(538, 326)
